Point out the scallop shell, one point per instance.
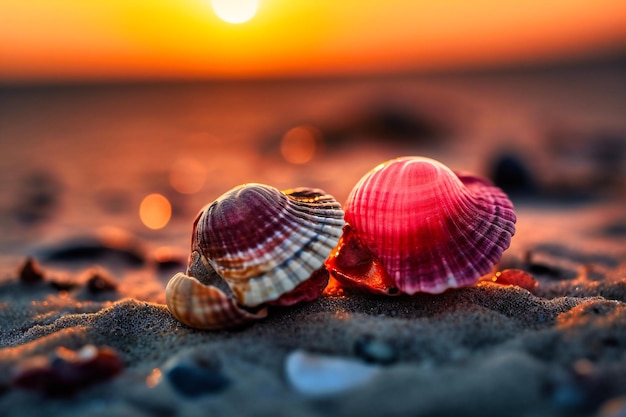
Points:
(256, 245)
(205, 307)
(416, 226)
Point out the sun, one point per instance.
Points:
(235, 11)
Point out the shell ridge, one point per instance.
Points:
(268, 259)
(292, 271)
(485, 241)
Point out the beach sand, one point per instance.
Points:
(485, 350)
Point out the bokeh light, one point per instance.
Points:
(187, 175)
(299, 144)
(155, 211)
(152, 380)
(235, 11)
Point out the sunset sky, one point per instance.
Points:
(68, 40)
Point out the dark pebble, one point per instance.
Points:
(99, 282)
(543, 269)
(30, 272)
(615, 229)
(95, 250)
(63, 284)
(511, 174)
(167, 259)
(396, 121)
(169, 264)
(373, 350)
(193, 381)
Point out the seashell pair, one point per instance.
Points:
(414, 225)
(411, 225)
(255, 246)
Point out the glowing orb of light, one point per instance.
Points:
(298, 144)
(187, 175)
(235, 11)
(155, 211)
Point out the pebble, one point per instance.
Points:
(511, 174)
(66, 371)
(615, 229)
(31, 272)
(99, 281)
(318, 375)
(192, 380)
(96, 250)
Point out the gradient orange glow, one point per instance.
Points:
(111, 39)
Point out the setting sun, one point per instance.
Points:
(74, 40)
(235, 11)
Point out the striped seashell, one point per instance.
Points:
(205, 307)
(262, 246)
(413, 225)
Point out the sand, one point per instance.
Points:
(485, 350)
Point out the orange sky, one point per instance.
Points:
(104, 39)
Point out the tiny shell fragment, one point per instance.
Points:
(513, 277)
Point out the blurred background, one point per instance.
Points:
(120, 119)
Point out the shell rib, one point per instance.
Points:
(429, 228)
(205, 307)
(264, 242)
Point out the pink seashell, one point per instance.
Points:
(413, 225)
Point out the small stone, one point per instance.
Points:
(117, 247)
(319, 375)
(99, 282)
(510, 173)
(192, 380)
(373, 350)
(63, 284)
(30, 272)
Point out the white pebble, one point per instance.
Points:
(320, 375)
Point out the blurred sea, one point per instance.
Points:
(77, 159)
